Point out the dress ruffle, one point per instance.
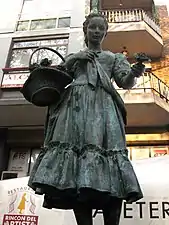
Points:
(67, 175)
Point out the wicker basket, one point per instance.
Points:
(45, 84)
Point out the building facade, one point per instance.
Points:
(26, 25)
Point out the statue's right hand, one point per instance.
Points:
(85, 55)
(33, 66)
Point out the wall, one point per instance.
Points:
(9, 13)
(46, 9)
(5, 43)
(76, 39)
(3, 151)
(161, 67)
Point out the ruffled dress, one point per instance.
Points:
(84, 158)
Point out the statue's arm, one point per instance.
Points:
(125, 75)
(69, 64)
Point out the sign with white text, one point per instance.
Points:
(14, 80)
(20, 206)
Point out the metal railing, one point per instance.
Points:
(148, 83)
(132, 15)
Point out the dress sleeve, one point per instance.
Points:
(121, 73)
(68, 65)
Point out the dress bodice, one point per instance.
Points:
(105, 58)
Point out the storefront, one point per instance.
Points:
(22, 155)
(143, 152)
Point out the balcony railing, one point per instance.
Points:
(133, 15)
(148, 83)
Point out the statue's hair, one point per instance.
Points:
(86, 23)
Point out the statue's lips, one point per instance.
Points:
(95, 37)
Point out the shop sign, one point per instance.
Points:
(14, 80)
(18, 161)
(19, 220)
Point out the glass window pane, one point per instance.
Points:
(36, 25)
(43, 24)
(64, 22)
(49, 24)
(22, 25)
(20, 57)
(62, 50)
(22, 51)
(43, 53)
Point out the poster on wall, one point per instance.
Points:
(140, 152)
(19, 160)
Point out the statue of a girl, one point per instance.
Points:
(84, 164)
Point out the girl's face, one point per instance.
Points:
(96, 30)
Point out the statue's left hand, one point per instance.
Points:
(138, 69)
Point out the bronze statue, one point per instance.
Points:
(84, 163)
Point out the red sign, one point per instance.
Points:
(160, 152)
(10, 219)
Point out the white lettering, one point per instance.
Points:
(32, 219)
(17, 223)
(27, 223)
(20, 218)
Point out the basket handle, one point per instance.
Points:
(50, 49)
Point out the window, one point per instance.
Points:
(64, 22)
(17, 72)
(22, 25)
(22, 51)
(143, 152)
(43, 24)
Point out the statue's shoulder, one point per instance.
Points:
(120, 55)
(115, 55)
(109, 54)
